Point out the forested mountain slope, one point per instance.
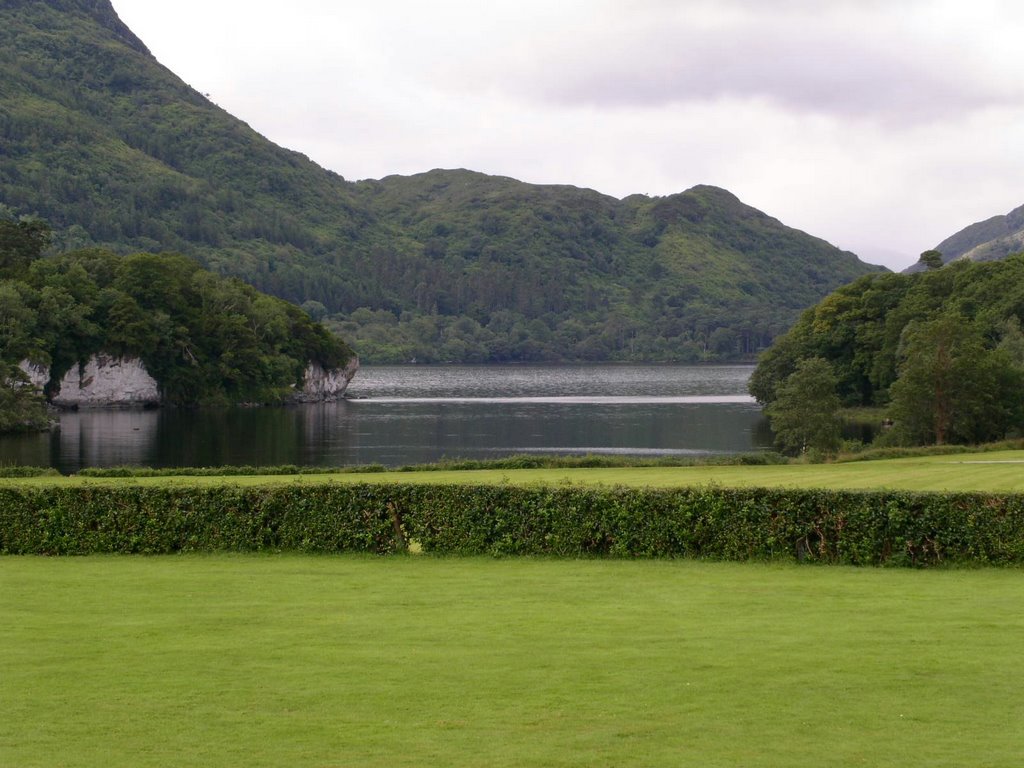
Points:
(114, 150)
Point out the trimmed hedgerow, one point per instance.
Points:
(134, 519)
(849, 527)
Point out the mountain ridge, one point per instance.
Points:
(115, 150)
(991, 239)
(988, 240)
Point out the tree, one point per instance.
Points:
(804, 415)
(931, 259)
(951, 389)
(22, 408)
(314, 309)
(21, 242)
(774, 366)
(17, 322)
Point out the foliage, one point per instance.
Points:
(951, 388)
(931, 259)
(204, 338)
(115, 151)
(22, 408)
(804, 414)
(874, 331)
(856, 528)
(20, 243)
(18, 470)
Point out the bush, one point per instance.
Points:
(17, 470)
(848, 527)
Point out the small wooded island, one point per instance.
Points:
(91, 327)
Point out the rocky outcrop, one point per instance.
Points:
(324, 385)
(38, 375)
(104, 381)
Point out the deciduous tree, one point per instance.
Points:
(804, 415)
(951, 388)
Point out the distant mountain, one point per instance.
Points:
(988, 240)
(113, 149)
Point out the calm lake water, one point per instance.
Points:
(412, 414)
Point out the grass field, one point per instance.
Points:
(410, 661)
(996, 471)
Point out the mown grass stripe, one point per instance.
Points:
(991, 472)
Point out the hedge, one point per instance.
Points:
(849, 527)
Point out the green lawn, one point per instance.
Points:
(995, 471)
(411, 661)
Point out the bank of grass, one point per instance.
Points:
(408, 661)
(996, 471)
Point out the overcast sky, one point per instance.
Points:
(883, 126)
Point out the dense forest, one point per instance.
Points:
(501, 270)
(117, 152)
(206, 339)
(942, 349)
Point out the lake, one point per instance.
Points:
(412, 414)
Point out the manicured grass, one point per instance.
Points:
(410, 661)
(1001, 471)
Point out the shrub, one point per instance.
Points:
(848, 527)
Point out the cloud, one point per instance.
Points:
(897, 62)
(881, 125)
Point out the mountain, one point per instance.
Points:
(114, 150)
(988, 240)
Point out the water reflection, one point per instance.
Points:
(418, 414)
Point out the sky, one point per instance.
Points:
(882, 126)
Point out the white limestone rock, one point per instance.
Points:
(104, 381)
(38, 375)
(321, 385)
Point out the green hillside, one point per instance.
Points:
(114, 150)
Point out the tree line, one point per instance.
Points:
(941, 350)
(206, 339)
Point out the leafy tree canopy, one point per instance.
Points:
(943, 346)
(931, 259)
(204, 338)
(804, 415)
(951, 387)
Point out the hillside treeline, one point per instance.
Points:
(117, 152)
